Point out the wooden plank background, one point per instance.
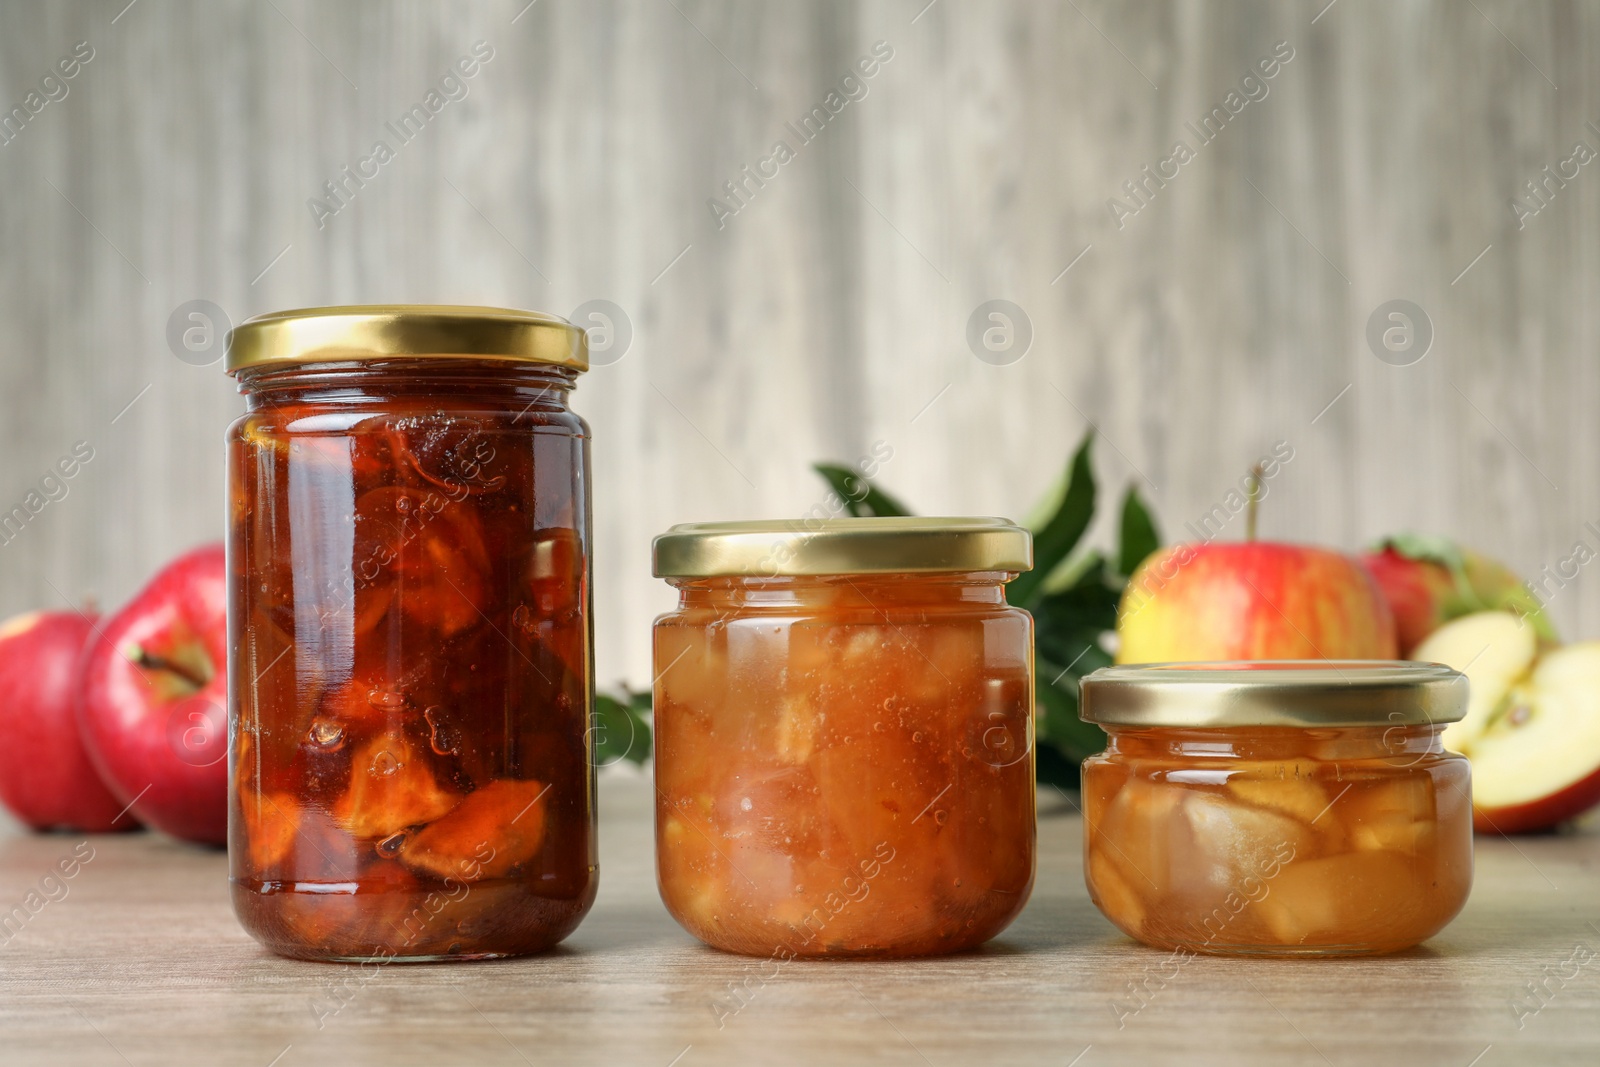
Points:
(831, 311)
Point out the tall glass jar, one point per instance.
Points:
(409, 630)
(844, 728)
(1277, 808)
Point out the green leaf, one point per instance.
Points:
(1432, 548)
(621, 728)
(1072, 620)
(1470, 596)
(1073, 593)
(1052, 767)
(1059, 729)
(861, 497)
(1137, 537)
(1070, 573)
(1069, 656)
(1060, 535)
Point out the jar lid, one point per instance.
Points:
(378, 331)
(787, 547)
(1274, 693)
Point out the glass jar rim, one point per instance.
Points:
(1308, 693)
(360, 332)
(869, 545)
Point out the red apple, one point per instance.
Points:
(1532, 729)
(1430, 580)
(1252, 600)
(152, 698)
(46, 779)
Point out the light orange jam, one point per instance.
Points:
(844, 764)
(1273, 840)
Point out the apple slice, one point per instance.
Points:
(1494, 649)
(271, 821)
(798, 725)
(491, 831)
(1319, 901)
(1296, 795)
(391, 788)
(1237, 840)
(1532, 729)
(1538, 764)
(1138, 833)
(1118, 900)
(1397, 816)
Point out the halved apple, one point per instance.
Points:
(1532, 729)
(1495, 650)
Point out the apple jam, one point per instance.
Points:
(409, 667)
(1277, 808)
(844, 724)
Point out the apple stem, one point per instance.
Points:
(151, 662)
(1252, 500)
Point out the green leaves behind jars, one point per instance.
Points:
(860, 497)
(621, 729)
(1072, 592)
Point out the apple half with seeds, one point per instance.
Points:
(1532, 728)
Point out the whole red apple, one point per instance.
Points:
(1252, 600)
(152, 698)
(46, 779)
(1429, 581)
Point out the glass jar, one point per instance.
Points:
(410, 678)
(1277, 808)
(844, 727)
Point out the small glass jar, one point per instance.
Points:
(844, 727)
(410, 675)
(1277, 808)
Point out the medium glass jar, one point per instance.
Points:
(844, 726)
(409, 679)
(1277, 808)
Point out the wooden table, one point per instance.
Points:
(141, 962)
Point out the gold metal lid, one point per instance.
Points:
(784, 548)
(376, 331)
(1274, 693)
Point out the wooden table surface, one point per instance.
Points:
(141, 962)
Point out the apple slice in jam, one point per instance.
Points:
(391, 789)
(430, 544)
(271, 821)
(493, 830)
